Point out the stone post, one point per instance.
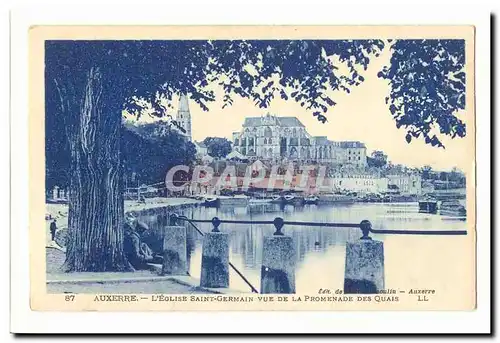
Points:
(364, 264)
(174, 251)
(215, 258)
(278, 263)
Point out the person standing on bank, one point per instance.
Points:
(53, 229)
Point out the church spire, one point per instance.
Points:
(184, 116)
(183, 104)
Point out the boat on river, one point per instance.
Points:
(285, 199)
(311, 200)
(452, 208)
(342, 199)
(261, 199)
(276, 199)
(428, 206)
(211, 201)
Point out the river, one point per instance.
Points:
(320, 250)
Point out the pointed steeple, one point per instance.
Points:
(183, 104)
(184, 116)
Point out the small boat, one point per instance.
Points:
(258, 201)
(340, 199)
(311, 200)
(288, 198)
(277, 199)
(211, 201)
(428, 206)
(452, 208)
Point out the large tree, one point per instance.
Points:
(217, 146)
(90, 83)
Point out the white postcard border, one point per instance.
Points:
(25, 320)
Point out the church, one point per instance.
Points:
(183, 119)
(276, 138)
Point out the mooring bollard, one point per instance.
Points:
(215, 258)
(174, 249)
(364, 264)
(278, 263)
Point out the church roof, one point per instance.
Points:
(281, 121)
(320, 140)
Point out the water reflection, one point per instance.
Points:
(320, 250)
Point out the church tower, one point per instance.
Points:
(184, 117)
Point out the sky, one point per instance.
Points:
(361, 115)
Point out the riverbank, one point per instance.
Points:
(60, 211)
(138, 282)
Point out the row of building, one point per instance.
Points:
(402, 184)
(274, 139)
(406, 184)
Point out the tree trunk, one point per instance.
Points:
(96, 208)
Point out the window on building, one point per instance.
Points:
(270, 141)
(236, 142)
(349, 158)
(359, 158)
(268, 132)
(265, 140)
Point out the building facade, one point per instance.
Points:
(276, 138)
(363, 183)
(408, 184)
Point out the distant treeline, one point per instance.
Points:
(147, 151)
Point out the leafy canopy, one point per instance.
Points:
(426, 77)
(155, 71)
(217, 147)
(427, 80)
(150, 150)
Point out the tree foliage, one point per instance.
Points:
(377, 159)
(426, 77)
(155, 71)
(427, 80)
(217, 147)
(150, 150)
(300, 70)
